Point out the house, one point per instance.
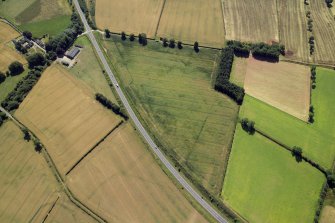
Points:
(71, 54)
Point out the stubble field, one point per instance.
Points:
(121, 181)
(63, 113)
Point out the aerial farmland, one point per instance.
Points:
(159, 111)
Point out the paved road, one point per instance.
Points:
(141, 129)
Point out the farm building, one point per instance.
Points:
(71, 54)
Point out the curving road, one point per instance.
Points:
(141, 129)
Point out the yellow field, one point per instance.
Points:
(62, 112)
(285, 86)
(193, 20)
(27, 186)
(121, 181)
(324, 32)
(140, 16)
(65, 211)
(7, 33)
(328, 215)
(293, 29)
(239, 71)
(251, 21)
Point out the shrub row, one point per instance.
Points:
(321, 200)
(3, 117)
(23, 87)
(110, 105)
(222, 83)
(240, 48)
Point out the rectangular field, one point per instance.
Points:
(63, 113)
(171, 91)
(293, 29)
(251, 21)
(264, 182)
(324, 32)
(121, 181)
(140, 16)
(26, 183)
(193, 20)
(285, 86)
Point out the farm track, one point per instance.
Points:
(55, 171)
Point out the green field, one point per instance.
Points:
(171, 91)
(10, 83)
(264, 183)
(89, 71)
(317, 139)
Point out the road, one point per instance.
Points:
(141, 129)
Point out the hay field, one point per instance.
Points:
(293, 29)
(193, 20)
(264, 182)
(65, 116)
(328, 214)
(285, 86)
(130, 16)
(172, 93)
(324, 32)
(66, 211)
(122, 182)
(26, 184)
(251, 21)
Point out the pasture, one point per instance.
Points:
(317, 139)
(293, 29)
(324, 32)
(137, 190)
(10, 83)
(264, 182)
(285, 86)
(193, 20)
(89, 71)
(63, 113)
(171, 91)
(26, 184)
(251, 21)
(139, 16)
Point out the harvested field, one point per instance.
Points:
(63, 113)
(285, 86)
(193, 20)
(328, 214)
(65, 211)
(239, 71)
(264, 183)
(172, 93)
(7, 33)
(324, 32)
(122, 182)
(251, 21)
(130, 16)
(293, 29)
(27, 186)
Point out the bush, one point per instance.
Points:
(172, 43)
(110, 105)
(165, 42)
(123, 36)
(248, 126)
(180, 45)
(222, 83)
(132, 37)
(15, 68)
(297, 153)
(36, 59)
(329, 3)
(107, 33)
(142, 39)
(2, 77)
(26, 134)
(38, 145)
(196, 46)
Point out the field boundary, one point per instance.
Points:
(159, 18)
(50, 210)
(93, 147)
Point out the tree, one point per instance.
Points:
(180, 45)
(172, 43)
(329, 3)
(36, 59)
(142, 39)
(38, 145)
(51, 56)
(2, 77)
(107, 33)
(26, 134)
(27, 34)
(165, 42)
(297, 153)
(248, 126)
(132, 37)
(196, 46)
(15, 68)
(330, 178)
(123, 36)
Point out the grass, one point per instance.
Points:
(89, 70)
(317, 139)
(264, 183)
(51, 27)
(10, 83)
(10, 9)
(171, 91)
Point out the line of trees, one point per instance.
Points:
(3, 118)
(222, 83)
(62, 42)
(23, 87)
(110, 105)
